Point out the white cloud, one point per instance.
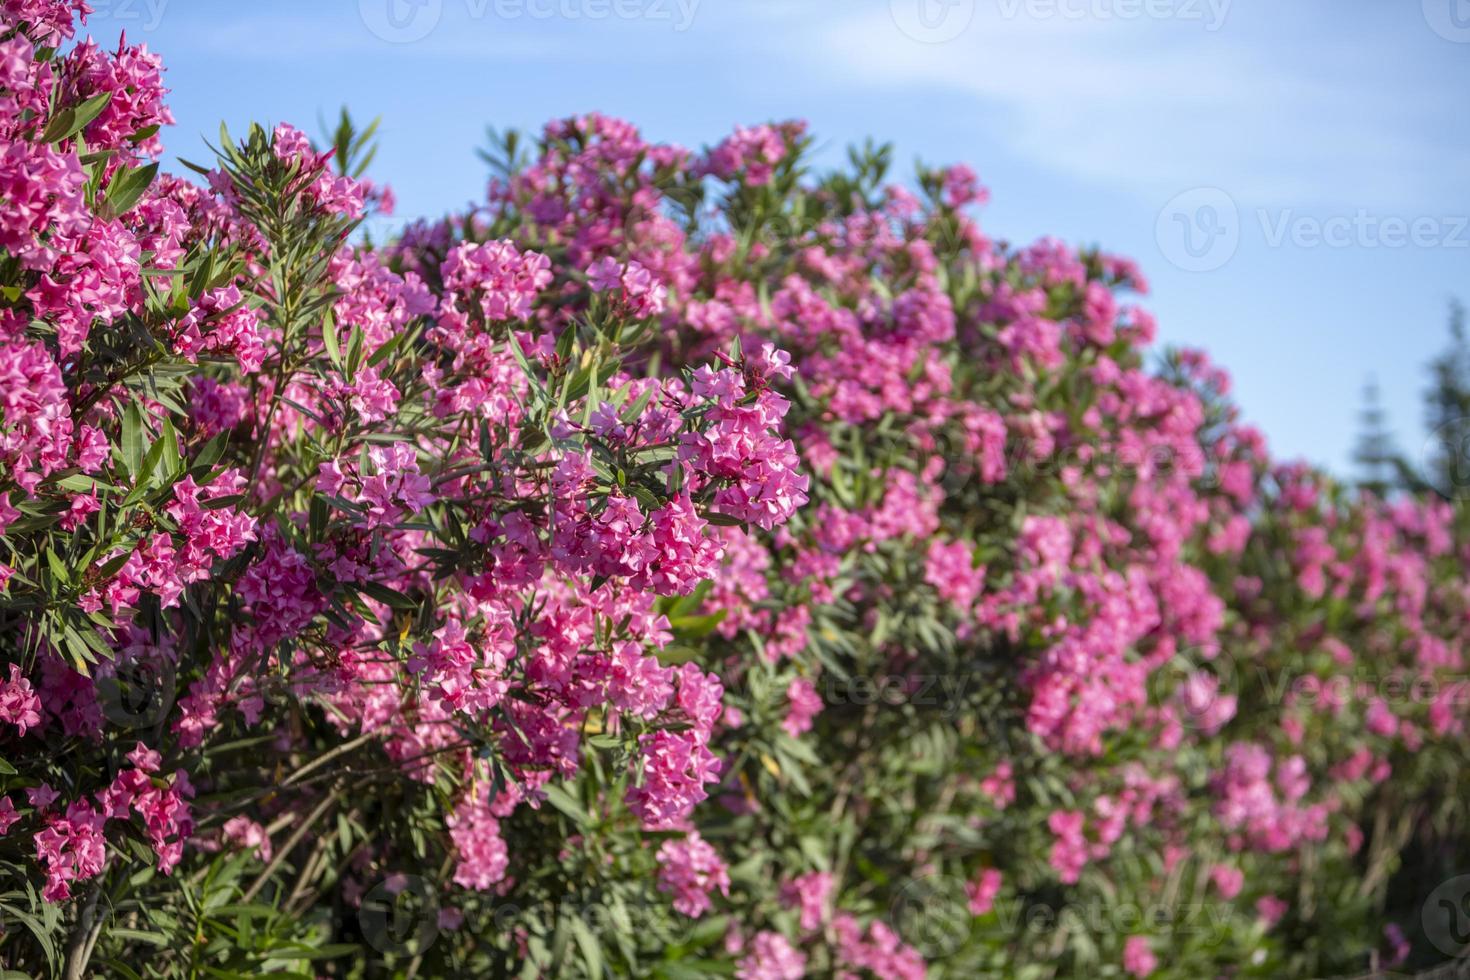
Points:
(1152, 107)
(293, 37)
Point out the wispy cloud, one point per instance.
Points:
(1153, 107)
(292, 37)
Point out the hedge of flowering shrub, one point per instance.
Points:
(683, 565)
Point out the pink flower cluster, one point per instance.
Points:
(530, 549)
(690, 870)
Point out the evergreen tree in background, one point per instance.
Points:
(1442, 466)
(1374, 454)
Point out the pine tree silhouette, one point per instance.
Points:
(1375, 452)
(1447, 411)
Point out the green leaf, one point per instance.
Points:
(328, 952)
(80, 646)
(70, 121)
(138, 935)
(169, 463)
(42, 934)
(709, 930)
(81, 483)
(694, 970)
(633, 411)
(198, 169)
(329, 339)
(211, 452)
(354, 353)
(128, 185)
(59, 571)
(112, 565)
(520, 356)
(591, 949)
(564, 802)
(134, 442)
(696, 627)
(385, 595)
(153, 460)
(390, 346)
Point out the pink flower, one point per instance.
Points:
(771, 957)
(1069, 853)
(804, 705)
(1228, 880)
(879, 950)
(1270, 909)
(8, 816)
(483, 857)
(753, 152)
(144, 758)
(645, 295)
(812, 894)
(41, 796)
(691, 870)
(494, 281)
(950, 569)
(982, 891)
(1138, 958)
(605, 275)
(19, 705)
(1000, 786)
(222, 323)
(676, 767)
(1398, 944)
(248, 835)
(72, 849)
(1202, 703)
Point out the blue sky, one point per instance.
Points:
(1291, 175)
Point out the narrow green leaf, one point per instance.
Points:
(70, 121)
(127, 187)
(387, 596)
(134, 443)
(564, 802)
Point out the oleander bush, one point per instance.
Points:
(686, 564)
